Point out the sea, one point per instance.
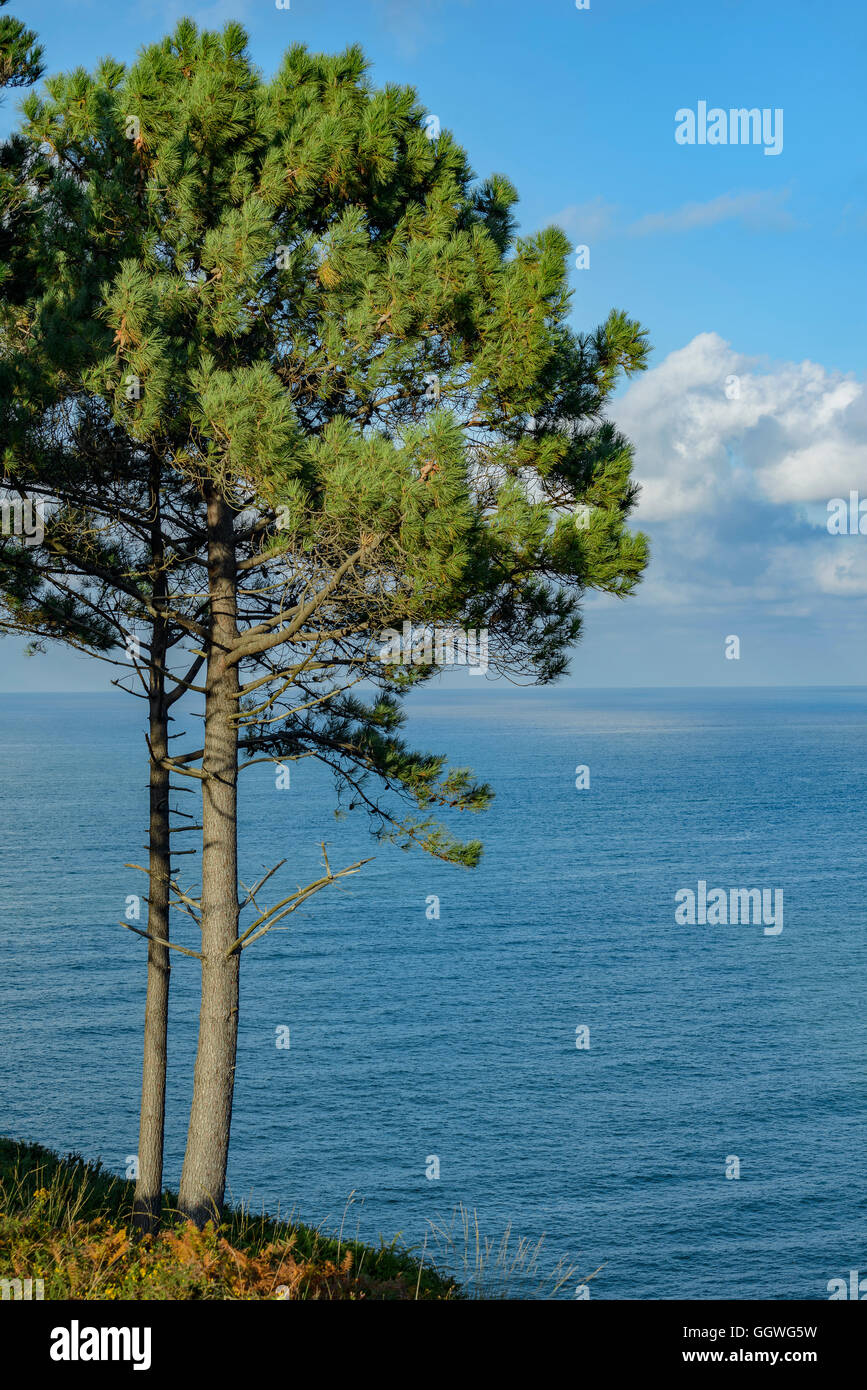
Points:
(548, 1048)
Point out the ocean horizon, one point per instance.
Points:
(580, 1063)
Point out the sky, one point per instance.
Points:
(744, 261)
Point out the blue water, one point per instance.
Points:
(455, 1037)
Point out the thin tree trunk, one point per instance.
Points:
(203, 1180)
(148, 1192)
(149, 1187)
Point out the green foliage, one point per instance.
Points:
(325, 315)
(20, 54)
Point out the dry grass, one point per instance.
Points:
(511, 1267)
(67, 1222)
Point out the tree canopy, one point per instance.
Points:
(277, 321)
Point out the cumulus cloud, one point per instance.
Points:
(711, 423)
(738, 460)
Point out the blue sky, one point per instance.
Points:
(746, 268)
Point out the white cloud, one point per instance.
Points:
(738, 459)
(712, 425)
(845, 575)
(759, 211)
(588, 221)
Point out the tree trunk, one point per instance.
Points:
(148, 1193)
(203, 1180)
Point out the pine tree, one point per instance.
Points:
(20, 66)
(20, 54)
(368, 386)
(98, 578)
(98, 582)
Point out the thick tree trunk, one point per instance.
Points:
(203, 1180)
(148, 1193)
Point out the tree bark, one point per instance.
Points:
(148, 1193)
(203, 1180)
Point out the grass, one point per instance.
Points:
(67, 1221)
(510, 1267)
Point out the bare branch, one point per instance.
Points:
(268, 920)
(174, 946)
